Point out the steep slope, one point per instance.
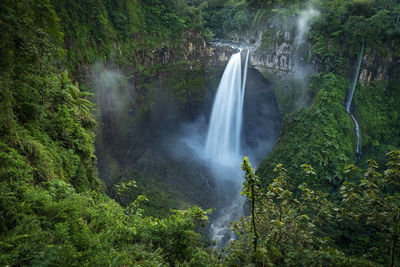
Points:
(52, 208)
(144, 73)
(320, 133)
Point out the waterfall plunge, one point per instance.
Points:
(222, 146)
(223, 138)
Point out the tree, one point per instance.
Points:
(249, 189)
(285, 226)
(375, 201)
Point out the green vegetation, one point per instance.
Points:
(321, 135)
(297, 229)
(122, 32)
(53, 207)
(52, 224)
(378, 107)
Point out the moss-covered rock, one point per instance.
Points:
(321, 135)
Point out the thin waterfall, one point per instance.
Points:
(350, 99)
(355, 79)
(245, 76)
(243, 90)
(358, 148)
(223, 137)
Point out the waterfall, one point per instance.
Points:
(355, 79)
(222, 146)
(350, 99)
(358, 148)
(223, 137)
(244, 82)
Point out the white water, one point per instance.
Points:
(244, 84)
(223, 138)
(350, 99)
(358, 148)
(355, 79)
(222, 147)
(220, 232)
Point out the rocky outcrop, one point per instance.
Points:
(192, 47)
(195, 47)
(375, 67)
(277, 59)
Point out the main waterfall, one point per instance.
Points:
(223, 137)
(222, 147)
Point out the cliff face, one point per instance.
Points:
(281, 59)
(135, 100)
(376, 67)
(376, 102)
(144, 109)
(278, 59)
(164, 84)
(191, 47)
(275, 59)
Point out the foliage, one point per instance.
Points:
(223, 17)
(321, 133)
(53, 224)
(295, 228)
(291, 227)
(120, 32)
(377, 112)
(45, 118)
(375, 202)
(250, 187)
(335, 38)
(52, 209)
(344, 25)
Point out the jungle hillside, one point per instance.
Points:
(199, 133)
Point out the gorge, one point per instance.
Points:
(123, 126)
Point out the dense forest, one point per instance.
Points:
(79, 187)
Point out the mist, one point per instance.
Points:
(303, 23)
(303, 68)
(171, 145)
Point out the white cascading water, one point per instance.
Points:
(357, 127)
(223, 137)
(350, 99)
(355, 79)
(222, 146)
